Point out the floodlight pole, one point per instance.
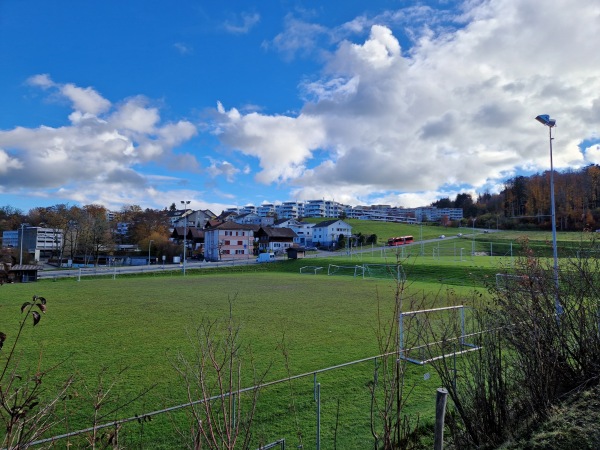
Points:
(184, 203)
(551, 123)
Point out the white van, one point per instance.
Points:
(265, 257)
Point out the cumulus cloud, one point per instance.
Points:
(94, 158)
(281, 143)
(455, 110)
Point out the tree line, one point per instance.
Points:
(524, 202)
(88, 231)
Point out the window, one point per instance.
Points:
(240, 242)
(226, 242)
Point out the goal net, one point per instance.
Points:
(427, 335)
(352, 271)
(393, 271)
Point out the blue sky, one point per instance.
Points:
(231, 103)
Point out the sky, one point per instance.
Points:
(225, 104)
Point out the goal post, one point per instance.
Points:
(353, 271)
(462, 344)
(394, 271)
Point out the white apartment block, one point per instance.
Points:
(333, 209)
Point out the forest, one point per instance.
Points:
(524, 202)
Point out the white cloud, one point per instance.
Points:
(99, 156)
(299, 37)
(183, 49)
(456, 110)
(42, 80)
(242, 24)
(134, 115)
(223, 169)
(281, 143)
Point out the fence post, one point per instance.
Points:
(440, 412)
(318, 447)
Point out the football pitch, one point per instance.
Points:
(126, 333)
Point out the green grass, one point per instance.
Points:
(386, 230)
(100, 326)
(139, 323)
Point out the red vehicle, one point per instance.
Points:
(402, 240)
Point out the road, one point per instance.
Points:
(51, 273)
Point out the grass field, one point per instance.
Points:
(127, 331)
(139, 323)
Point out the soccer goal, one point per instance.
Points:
(517, 283)
(393, 271)
(310, 270)
(352, 271)
(417, 331)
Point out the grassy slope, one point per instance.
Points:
(386, 230)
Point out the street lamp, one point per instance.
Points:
(545, 120)
(22, 239)
(149, 244)
(184, 203)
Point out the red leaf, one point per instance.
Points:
(36, 317)
(25, 305)
(42, 308)
(2, 339)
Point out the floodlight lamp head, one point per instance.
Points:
(545, 119)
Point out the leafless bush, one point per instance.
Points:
(539, 344)
(390, 427)
(221, 409)
(25, 411)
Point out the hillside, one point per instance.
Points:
(574, 424)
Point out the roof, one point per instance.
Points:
(196, 232)
(232, 226)
(326, 223)
(278, 232)
(24, 267)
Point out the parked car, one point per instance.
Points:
(443, 236)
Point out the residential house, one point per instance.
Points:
(303, 231)
(327, 233)
(194, 237)
(229, 241)
(191, 218)
(276, 240)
